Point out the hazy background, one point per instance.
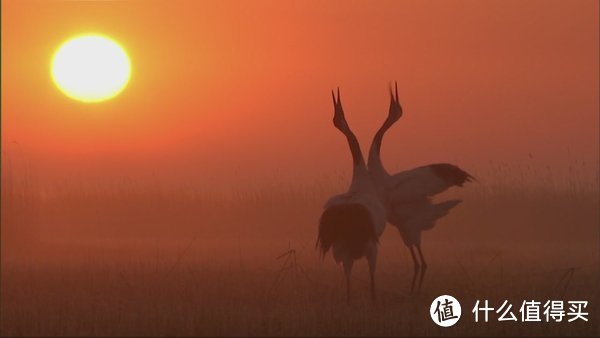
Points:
(162, 211)
(228, 93)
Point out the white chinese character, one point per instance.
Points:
(502, 317)
(485, 309)
(576, 310)
(554, 309)
(530, 311)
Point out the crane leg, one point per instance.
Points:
(372, 264)
(417, 267)
(348, 289)
(423, 266)
(347, 271)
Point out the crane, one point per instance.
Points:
(352, 222)
(407, 195)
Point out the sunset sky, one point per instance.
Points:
(223, 89)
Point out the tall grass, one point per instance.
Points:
(189, 261)
(20, 203)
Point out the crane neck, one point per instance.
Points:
(375, 165)
(360, 175)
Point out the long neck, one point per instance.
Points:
(375, 165)
(359, 168)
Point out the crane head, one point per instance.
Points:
(339, 120)
(395, 109)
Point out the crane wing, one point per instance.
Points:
(425, 181)
(412, 218)
(369, 201)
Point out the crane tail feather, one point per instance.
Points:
(451, 174)
(347, 225)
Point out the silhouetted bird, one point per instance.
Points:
(407, 195)
(352, 223)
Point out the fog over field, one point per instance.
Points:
(136, 259)
(189, 202)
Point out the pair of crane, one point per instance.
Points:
(352, 223)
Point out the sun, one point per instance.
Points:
(91, 68)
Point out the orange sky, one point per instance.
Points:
(241, 88)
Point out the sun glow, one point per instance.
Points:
(91, 68)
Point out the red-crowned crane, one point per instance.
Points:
(407, 194)
(352, 222)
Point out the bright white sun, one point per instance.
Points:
(91, 68)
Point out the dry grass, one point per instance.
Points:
(105, 295)
(195, 263)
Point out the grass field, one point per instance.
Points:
(138, 261)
